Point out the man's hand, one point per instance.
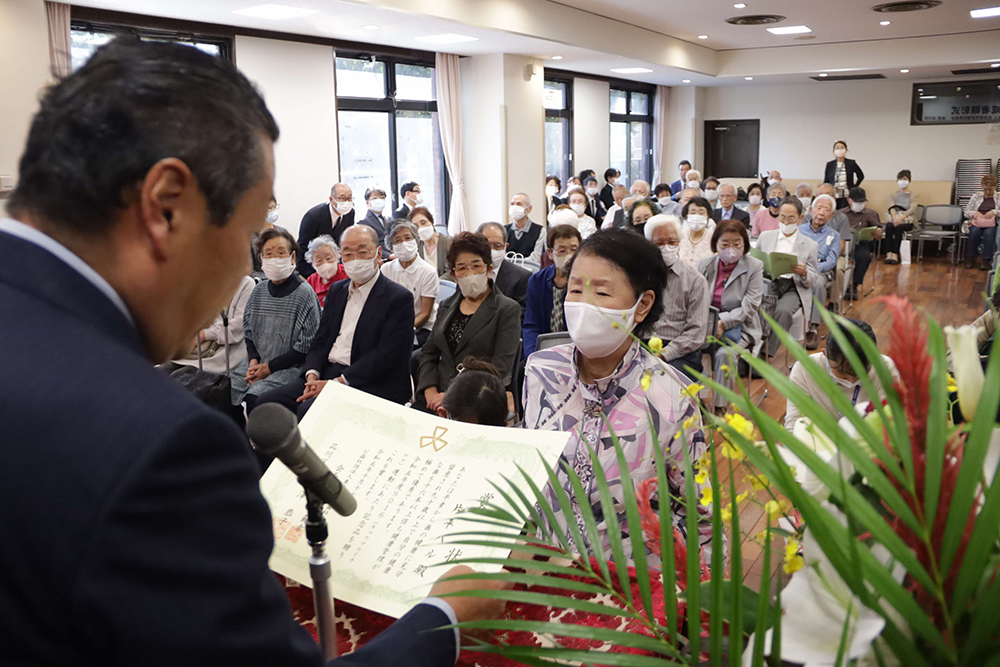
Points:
(800, 269)
(434, 398)
(877, 234)
(720, 330)
(467, 608)
(313, 386)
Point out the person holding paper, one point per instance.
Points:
(828, 247)
(866, 226)
(794, 289)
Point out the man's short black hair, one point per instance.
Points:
(589, 180)
(101, 129)
(836, 356)
(660, 189)
(585, 174)
(683, 162)
(611, 173)
(409, 186)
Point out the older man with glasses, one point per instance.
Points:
(330, 218)
(727, 209)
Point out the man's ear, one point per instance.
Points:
(163, 191)
(441, 412)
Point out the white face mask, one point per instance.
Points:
(551, 190)
(592, 191)
(755, 199)
(277, 268)
(663, 201)
(903, 183)
(515, 212)
(418, 198)
(561, 261)
(840, 152)
(376, 205)
(730, 255)
(806, 201)
(498, 257)
(596, 331)
(272, 216)
(612, 182)
(711, 195)
(857, 206)
(360, 271)
(773, 181)
(694, 185)
(405, 251)
(697, 222)
(788, 230)
(473, 285)
(670, 253)
(425, 233)
(343, 207)
(327, 271)
(578, 208)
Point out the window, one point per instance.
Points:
(559, 128)
(389, 135)
(631, 151)
(86, 37)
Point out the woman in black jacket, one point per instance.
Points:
(843, 173)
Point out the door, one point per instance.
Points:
(731, 148)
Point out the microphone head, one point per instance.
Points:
(270, 426)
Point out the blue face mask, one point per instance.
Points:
(774, 202)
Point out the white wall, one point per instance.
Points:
(798, 125)
(591, 125)
(24, 52)
(297, 81)
(524, 103)
(482, 128)
(681, 131)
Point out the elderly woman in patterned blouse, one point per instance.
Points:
(595, 385)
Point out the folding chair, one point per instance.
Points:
(935, 219)
(547, 340)
(769, 305)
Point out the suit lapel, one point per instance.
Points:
(364, 327)
(336, 303)
(480, 319)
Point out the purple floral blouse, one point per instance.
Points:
(556, 399)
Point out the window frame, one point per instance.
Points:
(629, 87)
(566, 113)
(224, 42)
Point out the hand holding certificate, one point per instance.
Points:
(866, 234)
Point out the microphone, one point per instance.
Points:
(274, 430)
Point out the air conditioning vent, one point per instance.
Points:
(980, 70)
(907, 6)
(756, 19)
(849, 77)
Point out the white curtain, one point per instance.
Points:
(60, 56)
(449, 104)
(661, 170)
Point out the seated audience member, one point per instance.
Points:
(828, 252)
(552, 187)
(611, 177)
(794, 290)
(641, 189)
(694, 181)
(684, 322)
(686, 195)
(902, 215)
(982, 211)
(727, 209)
(620, 194)
(595, 209)
(279, 322)
(476, 395)
(270, 221)
(711, 189)
(736, 282)
(572, 183)
(755, 195)
(843, 173)
(217, 337)
(773, 178)
(836, 364)
(696, 236)
(547, 288)
(365, 335)
(585, 174)
(684, 167)
(825, 216)
(767, 218)
(433, 244)
(510, 279)
(838, 221)
(577, 200)
(414, 274)
(664, 199)
(410, 197)
(327, 269)
(476, 321)
(639, 213)
(804, 193)
(616, 288)
(376, 219)
(524, 237)
(330, 218)
(860, 216)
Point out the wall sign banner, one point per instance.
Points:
(966, 103)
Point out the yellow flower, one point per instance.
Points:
(773, 510)
(614, 324)
(706, 496)
(690, 422)
(952, 384)
(655, 345)
(740, 424)
(742, 497)
(727, 513)
(760, 537)
(791, 549)
(646, 380)
(731, 451)
(705, 462)
(702, 476)
(793, 564)
(759, 481)
(691, 391)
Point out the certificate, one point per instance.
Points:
(411, 473)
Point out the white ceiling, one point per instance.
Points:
(506, 27)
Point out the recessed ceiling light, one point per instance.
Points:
(748, 78)
(446, 38)
(740, 5)
(928, 97)
(370, 26)
(702, 36)
(789, 30)
(904, 71)
(631, 70)
(884, 22)
(274, 12)
(823, 74)
(985, 13)
(557, 57)
(995, 65)
(686, 81)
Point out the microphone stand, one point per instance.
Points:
(320, 571)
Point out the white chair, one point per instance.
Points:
(446, 289)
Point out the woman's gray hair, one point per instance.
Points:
(403, 224)
(319, 242)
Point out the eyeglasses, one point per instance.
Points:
(348, 255)
(475, 266)
(785, 220)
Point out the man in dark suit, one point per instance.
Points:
(331, 218)
(410, 198)
(365, 335)
(133, 526)
(611, 177)
(510, 279)
(375, 218)
(595, 209)
(727, 209)
(679, 184)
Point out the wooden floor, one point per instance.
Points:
(951, 294)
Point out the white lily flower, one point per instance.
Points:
(966, 366)
(812, 437)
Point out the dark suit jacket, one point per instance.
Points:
(383, 339)
(316, 222)
(402, 212)
(493, 333)
(596, 210)
(854, 174)
(512, 281)
(538, 314)
(676, 187)
(133, 526)
(381, 228)
(738, 214)
(608, 196)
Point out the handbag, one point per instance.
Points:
(213, 389)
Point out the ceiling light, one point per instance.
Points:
(904, 71)
(557, 57)
(985, 13)
(274, 12)
(884, 22)
(686, 81)
(748, 78)
(631, 70)
(446, 38)
(371, 26)
(995, 65)
(959, 89)
(702, 36)
(823, 74)
(789, 30)
(740, 5)
(928, 97)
